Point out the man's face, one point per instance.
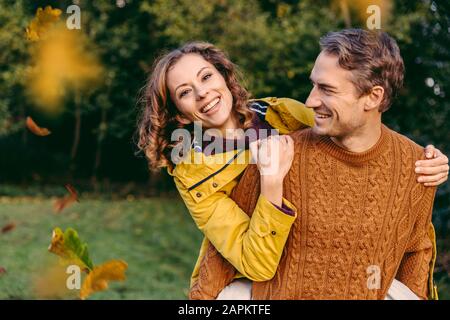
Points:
(334, 98)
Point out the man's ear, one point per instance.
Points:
(374, 98)
(182, 119)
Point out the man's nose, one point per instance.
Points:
(313, 100)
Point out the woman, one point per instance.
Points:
(199, 83)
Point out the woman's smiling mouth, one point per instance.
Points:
(210, 105)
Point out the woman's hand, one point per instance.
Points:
(273, 158)
(434, 170)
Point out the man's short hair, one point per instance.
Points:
(373, 57)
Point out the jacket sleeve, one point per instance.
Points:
(416, 267)
(288, 115)
(252, 245)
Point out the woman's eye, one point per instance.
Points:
(183, 93)
(207, 76)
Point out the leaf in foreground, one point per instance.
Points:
(97, 280)
(68, 245)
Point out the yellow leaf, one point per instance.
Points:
(62, 62)
(49, 281)
(43, 21)
(57, 244)
(68, 246)
(97, 279)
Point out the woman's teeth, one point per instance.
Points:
(210, 105)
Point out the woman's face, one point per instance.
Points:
(200, 93)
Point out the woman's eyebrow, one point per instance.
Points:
(185, 84)
(200, 71)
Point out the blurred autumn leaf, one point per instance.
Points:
(44, 20)
(62, 203)
(97, 279)
(8, 227)
(49, 281)
(68, 246)
(358, 10)
(34, 128)
(61, 61)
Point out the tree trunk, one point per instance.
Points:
(98, 153)
(76, 135)
(345, 13)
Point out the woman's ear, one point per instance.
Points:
(182, 119)
(374, 98)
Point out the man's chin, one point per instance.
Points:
(319, 130)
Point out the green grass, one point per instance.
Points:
(156, 237)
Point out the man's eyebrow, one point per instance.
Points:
(185, 84)
(323, 85)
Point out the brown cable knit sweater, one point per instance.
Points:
(356, 210)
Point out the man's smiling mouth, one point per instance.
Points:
(322, 115)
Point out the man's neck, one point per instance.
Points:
(361, 140)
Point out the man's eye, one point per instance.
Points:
(326, 91)
(207, 76)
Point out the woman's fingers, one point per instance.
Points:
(289, 143)
(275, 154)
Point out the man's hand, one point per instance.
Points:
(434, 170)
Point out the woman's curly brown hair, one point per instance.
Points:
(157, 121)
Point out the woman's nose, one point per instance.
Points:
(201, 92)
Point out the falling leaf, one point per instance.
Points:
(63, 62)
(72, 191)
(64, 202)
(68, 246)
(42, 22)
(33, 127)
(49, 281)
(2, 271)
(97, 279)
(8, 227)
(358, 9)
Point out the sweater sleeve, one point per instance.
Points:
(252, 245)
(416, 265)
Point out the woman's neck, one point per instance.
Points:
(231, 129)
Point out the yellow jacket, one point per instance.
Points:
(252, 245)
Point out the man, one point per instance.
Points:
(363, 219)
